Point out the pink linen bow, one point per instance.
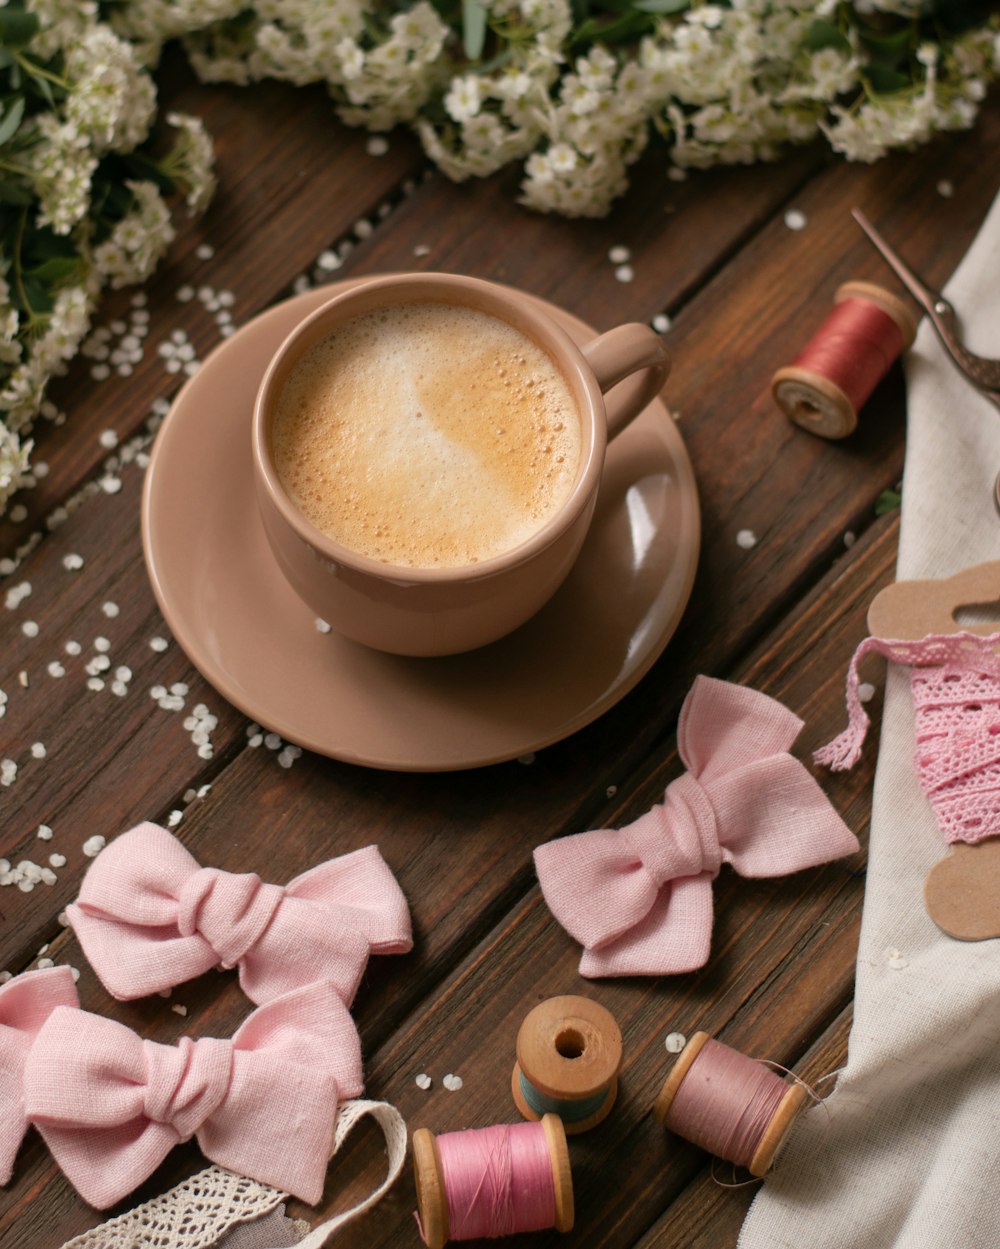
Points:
(111, 1106)
(639, 900)
(148, 918)
(26, 1002)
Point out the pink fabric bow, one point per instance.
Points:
(111, 1106)
(148, 918)
(26, 1002)
(640, 899)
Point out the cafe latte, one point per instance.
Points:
(428, 435)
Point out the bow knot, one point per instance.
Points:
(230, 911)
(111, 1106)
(149, 917)
(26, 1002)
(185, 1083)
(639, 900)
(680, 838)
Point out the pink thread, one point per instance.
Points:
(955, 684)
(725, 1103)
(497, 1181)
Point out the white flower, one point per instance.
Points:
(10, 348)
(708, 15)
(191, 162)
(352, 59)
(138, 240)
(464, 98)
(113, 99)
(562, 158)
(13, 463)
(420, 28)
(482, 133)
(830, 72)
(61, 166)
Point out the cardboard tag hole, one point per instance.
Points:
(969, 615)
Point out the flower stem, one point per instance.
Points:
(11, 167)
(37, 71)
(18, 271)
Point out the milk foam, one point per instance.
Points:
(427, 435)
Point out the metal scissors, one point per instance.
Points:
(979, 371)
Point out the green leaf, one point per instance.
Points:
(887, 47)
(10, 120)
(887, 501)
(13, 193)
(38, 86)
(6, 60)
(620, 30)
(41, 244)
(56, 271)
(473, 29)
(883, 80)
(17, 27)
(662, 6)
(822, 35)
(39, 299)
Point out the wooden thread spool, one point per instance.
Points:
(436, 1219)
(758, 1153)
(569, 1050)
(842, 363)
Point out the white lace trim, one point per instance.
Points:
(198, 1212)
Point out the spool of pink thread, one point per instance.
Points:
(729, 1105)
(829, 381)
(492, 1182)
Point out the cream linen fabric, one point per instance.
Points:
(908, 1156)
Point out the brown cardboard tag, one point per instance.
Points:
(909, 610)
(962, 891)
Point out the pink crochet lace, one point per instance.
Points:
(955, 684)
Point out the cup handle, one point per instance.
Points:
(631, 364)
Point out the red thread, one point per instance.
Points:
(725, 1103)
(854, 348)
(497, 1181)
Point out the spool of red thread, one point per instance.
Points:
(729, 1105)
(491, 1182)
(826, 386)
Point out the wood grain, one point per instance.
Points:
(783, 615)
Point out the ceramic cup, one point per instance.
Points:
(446, 610)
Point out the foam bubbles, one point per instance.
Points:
(427, 435)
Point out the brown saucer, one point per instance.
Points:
(247, 632)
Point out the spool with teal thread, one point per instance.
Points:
(569, 1051)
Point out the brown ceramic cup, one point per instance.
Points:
(441, 611)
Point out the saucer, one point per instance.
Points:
(256, 642)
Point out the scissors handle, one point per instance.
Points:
(983, 373)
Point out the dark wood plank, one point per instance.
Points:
(783, 953)
(102, 531)
(782, 967)
(737, 590)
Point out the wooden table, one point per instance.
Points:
(743, 292)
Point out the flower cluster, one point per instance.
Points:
(577, 91)
(81, 195)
